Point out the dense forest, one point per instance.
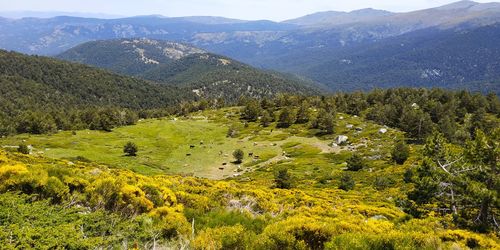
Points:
(35, 88)
(433, 57)
(418, 112)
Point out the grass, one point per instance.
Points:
(164, 147)
(199, 146)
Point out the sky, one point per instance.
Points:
(276, 10)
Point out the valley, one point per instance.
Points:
(198, 145)
(360, 128)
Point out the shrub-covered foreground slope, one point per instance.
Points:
(95, 201)
(94, 206)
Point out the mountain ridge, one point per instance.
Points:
(182, 65)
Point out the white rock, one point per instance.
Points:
(341, 139)
(382, 130)
(349, 126)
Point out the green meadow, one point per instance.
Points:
(199, 145)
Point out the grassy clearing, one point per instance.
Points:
(199, 146)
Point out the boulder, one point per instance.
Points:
(349, 126)
(382, 130)
(341, 139)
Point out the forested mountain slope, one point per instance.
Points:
(456, 59)
(55, 83)
(40, 95)
(207, 75)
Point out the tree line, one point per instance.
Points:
(456, 114)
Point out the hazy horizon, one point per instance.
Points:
(240, 9)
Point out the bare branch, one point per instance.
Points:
(446, 165)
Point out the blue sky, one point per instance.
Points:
(242, 9)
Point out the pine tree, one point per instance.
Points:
(283, 179)
(400, 152)
(130, 149)
(325, 121)
(346, 182)
(238, 156)
(266, 118)
(286, 118)
(251, 111)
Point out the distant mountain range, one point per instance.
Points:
(338, 17)
(50, 14)
(342, 50)
(180, 65)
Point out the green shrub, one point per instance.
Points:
(130, 149)
(355, 163)
(408, 175)
(23, 149)
(283, 179)
(346, 182)
(382, 182)
(400, 152)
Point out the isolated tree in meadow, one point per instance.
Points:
(400, 152)
(238, 155)
(130, 149)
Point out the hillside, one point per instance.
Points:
(455, 59)
(205, 74)
(57, 83)
(41, 95)
(296, 186)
